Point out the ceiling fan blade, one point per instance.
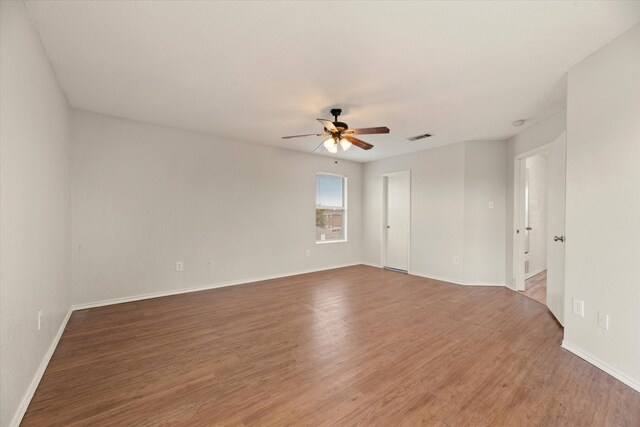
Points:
(358, 142)
(328, 124)
(368, 131)
(319, 148)
(308, 134)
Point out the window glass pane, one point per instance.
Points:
(330, 224)
(329, 190)
(331, 214)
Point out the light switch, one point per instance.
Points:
(603, 320)
(578, 307)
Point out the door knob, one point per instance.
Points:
(558, 238)
(388, 226)
(529, 228)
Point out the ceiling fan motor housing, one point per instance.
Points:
(341, 126)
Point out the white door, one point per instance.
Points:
(555, 227)
(397, 218)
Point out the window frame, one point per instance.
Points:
(345, 214)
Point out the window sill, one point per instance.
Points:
(324, 242)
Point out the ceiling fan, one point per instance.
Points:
(339, 133)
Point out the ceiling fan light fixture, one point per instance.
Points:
(331, 145)
(335, 130)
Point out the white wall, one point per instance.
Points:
(536, 136)
(603, 205)
(146, 196)
(484, 178)
(35, 256)
(537, 181)
(444, 205)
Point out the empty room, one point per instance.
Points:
(317, 213)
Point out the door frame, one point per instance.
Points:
(383, 256)
(519, 183)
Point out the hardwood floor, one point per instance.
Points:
(357, 345)
(535, 287)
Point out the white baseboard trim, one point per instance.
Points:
(533, 273)
(435, 277)
(371, 265)
(454, 281)
(499, 285)
(511, 285)
(26, 399)
(600, 364)
(151, 295)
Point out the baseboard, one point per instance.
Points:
(533, 273)
(499, 285)
(511, 284)
(371, 265)
(454, 281)
(151, 295)
(601, 365)
(442, 279)
(435, 277)
(26, 399)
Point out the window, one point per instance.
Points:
(331, 208)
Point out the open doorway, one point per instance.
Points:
(535, 230)
(539, 215)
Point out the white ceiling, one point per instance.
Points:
(255, 71)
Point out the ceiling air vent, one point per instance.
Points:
(417, 137)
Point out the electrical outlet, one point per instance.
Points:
(456, 260)
(578, 307)
(603, 320)
(40, 319)
(179, 266)
(308, 252)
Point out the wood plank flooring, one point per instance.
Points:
(352, 346)
(535, 287)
